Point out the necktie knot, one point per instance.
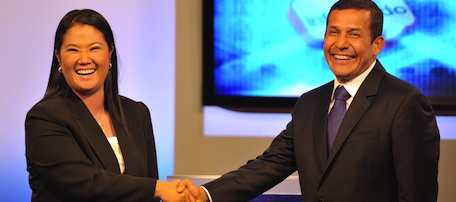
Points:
(341, 94)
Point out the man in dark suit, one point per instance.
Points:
(386, 148)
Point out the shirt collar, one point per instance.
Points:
(353, 85)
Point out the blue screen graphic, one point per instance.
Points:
(273, 48)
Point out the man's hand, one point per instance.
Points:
(197, 193)
(173, 191)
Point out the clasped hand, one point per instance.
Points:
(179, 191)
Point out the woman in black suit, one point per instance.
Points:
(85, 142)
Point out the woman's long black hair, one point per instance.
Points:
(57, 85)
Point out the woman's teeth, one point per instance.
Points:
(85, 71)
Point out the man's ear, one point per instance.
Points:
(379, 43)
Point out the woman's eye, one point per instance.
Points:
(95, 48)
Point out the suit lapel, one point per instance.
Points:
(353, 115)
(361, 102)
(321, 114)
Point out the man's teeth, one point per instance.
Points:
(342, 57)
(85, 71)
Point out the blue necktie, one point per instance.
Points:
(337, 114)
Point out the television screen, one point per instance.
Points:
(266, 53)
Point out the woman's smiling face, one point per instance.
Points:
(84, 58)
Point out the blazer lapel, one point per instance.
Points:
(94, 135)
(129, 153)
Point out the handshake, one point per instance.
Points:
(180, 191)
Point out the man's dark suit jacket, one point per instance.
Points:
(70, 159)
(387, 149)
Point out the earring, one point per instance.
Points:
(60, 69)
(110, 65)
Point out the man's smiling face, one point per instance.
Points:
(348, 47)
